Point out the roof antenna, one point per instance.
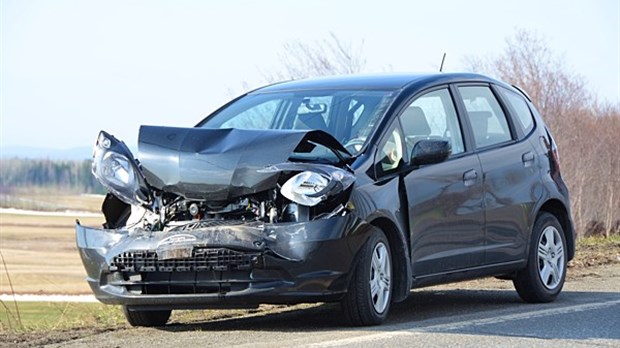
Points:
(442, 60)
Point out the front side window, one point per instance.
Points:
(258, 117)
(487, 119)
(518, 104)
(390, 155)
(348, 115)
(432, 116)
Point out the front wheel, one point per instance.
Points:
(146, 318)
(543, 278)
(367, 301)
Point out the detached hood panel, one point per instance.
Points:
(220, 164)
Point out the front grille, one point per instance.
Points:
(176, 283)
(202, 259)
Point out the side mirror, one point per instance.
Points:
(429, 151)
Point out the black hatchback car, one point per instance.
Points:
(353, 189)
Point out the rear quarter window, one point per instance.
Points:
(519, 106)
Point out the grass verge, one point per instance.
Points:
(43, 323)
(51, 316)
(594, 251)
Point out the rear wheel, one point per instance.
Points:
(367, 301)
(146, 318)
(543, 278)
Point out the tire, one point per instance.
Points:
(543, 277)
(368, 298)
(146, 318)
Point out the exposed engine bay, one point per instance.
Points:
(187, 175)
(172, 211)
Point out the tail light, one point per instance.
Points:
(555, 157)
(552, 148)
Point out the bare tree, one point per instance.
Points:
(330, 56)
(528, 62)
(587, 131)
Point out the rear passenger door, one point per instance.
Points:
(510, 181)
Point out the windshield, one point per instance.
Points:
(348, 115)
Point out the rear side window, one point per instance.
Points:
(486, 117)
(518, 104)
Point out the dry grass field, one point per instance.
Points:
(44, 199)
(40, 255)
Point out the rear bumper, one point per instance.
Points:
(289, 263)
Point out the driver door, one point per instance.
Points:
(445, 200)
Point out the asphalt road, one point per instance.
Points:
(485, 313)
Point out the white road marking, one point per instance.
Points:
(70, 213)
(93, 195)
(462, 324)
(47, 298)
(384, 336)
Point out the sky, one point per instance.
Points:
(71, 68)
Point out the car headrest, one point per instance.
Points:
(414, 121)
(480, 121)
(311, 121)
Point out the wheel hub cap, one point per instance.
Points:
(550, 257)
(380, 273)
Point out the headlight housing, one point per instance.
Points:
(314, 184)
(305, 188)
(113, 165)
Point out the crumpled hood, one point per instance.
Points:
(220, 164)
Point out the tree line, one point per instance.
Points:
(67, 175)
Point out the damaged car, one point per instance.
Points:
(351, 189)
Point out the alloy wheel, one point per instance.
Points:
(550, 258)
(380, 274)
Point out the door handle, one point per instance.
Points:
(470, 177)
(528, 159)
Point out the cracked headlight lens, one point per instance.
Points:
(314, 183)
(306, 188)
(116, 171)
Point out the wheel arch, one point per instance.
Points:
(556, 208)
(401, 263)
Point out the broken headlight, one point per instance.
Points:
(114, 167)
(305, 188)
(315, 182)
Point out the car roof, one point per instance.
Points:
(384, 81)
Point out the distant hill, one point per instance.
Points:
(73, 154)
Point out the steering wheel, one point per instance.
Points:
(354, 145)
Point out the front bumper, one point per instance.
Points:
(223, 266)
